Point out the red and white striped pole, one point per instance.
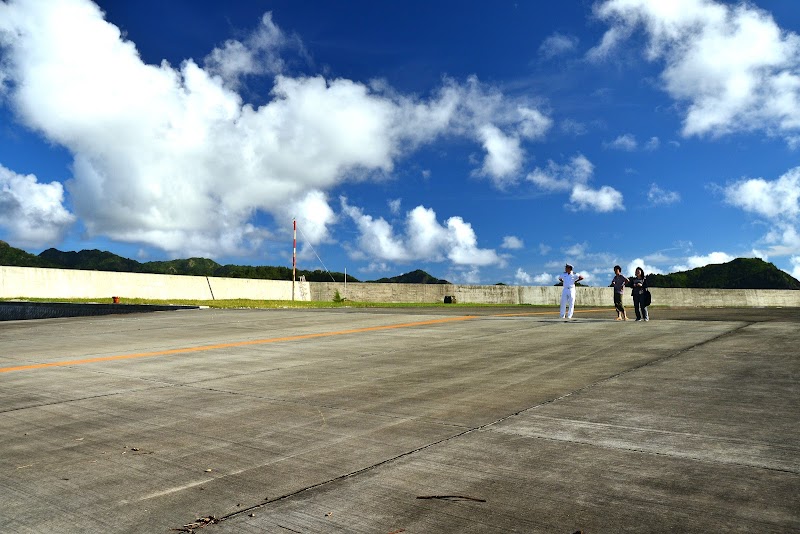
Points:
(294, 254)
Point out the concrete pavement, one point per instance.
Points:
(401, 420)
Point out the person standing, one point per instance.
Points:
(639, 283)
(568, 293)
(618, 283)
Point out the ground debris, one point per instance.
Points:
(200, 522)
(451, 498)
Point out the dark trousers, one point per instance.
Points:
(639, 307)
(618, 303)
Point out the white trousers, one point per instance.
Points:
(567, 299)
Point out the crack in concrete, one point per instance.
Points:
(476, 428)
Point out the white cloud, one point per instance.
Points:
(574, 177)
(394, 206)
(557, 177)
(573, 127)
(602, 200)
(653, 144)
(259, 54)
(692, 262)
(173, 157)
(521, 277)
(578, 250)
(625, 142)
(783, 239)
(543, 279)
(314, 216)
(512, 242)
(424, 238)
(33, 213)
(658, 196)
(779, 198)
(532, 123)
(795, 267)
(731, 64)
(473, 277)
(504, 156)
(558, 44)
(630, 269)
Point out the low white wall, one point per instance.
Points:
(28, 282)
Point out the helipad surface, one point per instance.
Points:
(401, 420)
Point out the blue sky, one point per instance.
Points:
(483, 142)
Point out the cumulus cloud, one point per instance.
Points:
(778, 201)
(504, 155)
(731, 64)
(557, 45)
(795, 267)
(521, 277)
(771, 199)
(783, 239)
(662, 197)
(512, 242)
(578, 250)
(692, 262)
(394, 206)
(543, 279)
(423, 238)
(630, 268)
(259, 54)
(33, 213)
(574, 177)
(603, 200)
(625, 142)
(173, 157)
(555, 177)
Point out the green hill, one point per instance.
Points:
(16, 257)
(98, 260)
(741, 273)
(91, 260)
(414, 277)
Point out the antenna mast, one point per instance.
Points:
(294, 255)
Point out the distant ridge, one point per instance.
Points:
(741, 273)
(414, 277)
(98, 260)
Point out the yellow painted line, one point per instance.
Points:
(523, 314)
(230, 345)
(202, 348)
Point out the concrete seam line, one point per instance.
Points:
(203, 348)
(467, 431)
(626, 371)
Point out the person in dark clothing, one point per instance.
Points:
(639, 283)
(618, 283)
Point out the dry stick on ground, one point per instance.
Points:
(451, 498)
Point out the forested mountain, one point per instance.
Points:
(98, 260)
(741, 273)
(414, 277)
(16, 257)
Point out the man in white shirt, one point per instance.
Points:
(568, 293)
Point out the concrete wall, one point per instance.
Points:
(27, 282)
(548, 295)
